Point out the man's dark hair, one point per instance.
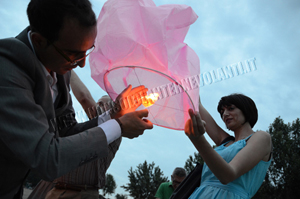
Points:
(47, 16)
(242, 102)
(179, 172)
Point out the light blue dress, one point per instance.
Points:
(242, 188)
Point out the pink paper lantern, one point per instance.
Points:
(139, 43)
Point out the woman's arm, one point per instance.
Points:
(258, 148)
(215, 132)
(83, 95)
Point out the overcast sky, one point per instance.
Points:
(226, 33)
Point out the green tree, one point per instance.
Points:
(191, 162)
(110, 185)
(144, 181)
(283, 177)
(121, 196)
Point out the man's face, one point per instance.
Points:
(74, 40)
(176, 181)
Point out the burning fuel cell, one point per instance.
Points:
(139, 98)
(149, 100)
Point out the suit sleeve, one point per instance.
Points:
(25, 124)
(65, 116)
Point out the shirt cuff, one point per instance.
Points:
(111, 129)
(103, 117)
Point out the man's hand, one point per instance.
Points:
(128, 101)
(133, 124)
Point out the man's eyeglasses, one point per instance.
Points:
(73, 62)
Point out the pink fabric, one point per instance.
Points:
(139, 43)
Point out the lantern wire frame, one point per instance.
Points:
(156, 71)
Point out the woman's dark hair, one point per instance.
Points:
(242, 102)
(47, 16)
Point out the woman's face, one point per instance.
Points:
(232, 116)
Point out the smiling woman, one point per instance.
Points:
(240, 106)
(237, 167)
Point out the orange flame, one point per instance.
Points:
(150, 99)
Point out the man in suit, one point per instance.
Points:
(38, 128)
(86, 180)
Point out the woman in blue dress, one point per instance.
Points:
(237, 167)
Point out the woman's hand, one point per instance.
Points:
(194, 127)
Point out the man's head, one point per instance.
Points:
(47, 16)
(62, 32)
(178, 176)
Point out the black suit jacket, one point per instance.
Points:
(30, 124)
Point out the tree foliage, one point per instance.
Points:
(191, 162)
(144, 181)
(283, 177)
(110, 185)
(121, 196)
